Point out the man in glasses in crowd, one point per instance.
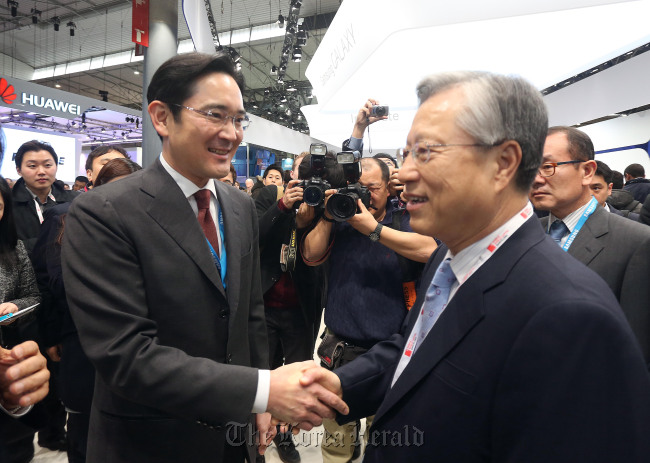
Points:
(162, 275)
(615, 248)
(513, 351)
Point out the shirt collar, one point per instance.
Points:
(474, 255)
(34, 196)
(187, 186)
(570, 220)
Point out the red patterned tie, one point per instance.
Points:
(205, 218)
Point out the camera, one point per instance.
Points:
(379, 111)
(314, 188)
(343, 204)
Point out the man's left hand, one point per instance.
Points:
(265, 431)
(364, 222)
(24, 378)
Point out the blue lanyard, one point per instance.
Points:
(593, 204)
(220, 262)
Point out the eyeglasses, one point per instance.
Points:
(422, 151)
(240, 121)
(548, 168)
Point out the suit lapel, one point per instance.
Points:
(588, 244)
(465, 311)
(171, 210)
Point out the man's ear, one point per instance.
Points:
(508, 158)
(588, 171)
(89, 174)
(160, 117)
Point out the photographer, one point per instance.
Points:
(292, 291)
(368, 281)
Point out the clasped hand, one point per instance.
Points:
(304, 393)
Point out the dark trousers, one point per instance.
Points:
(289, 336)
(77, 437)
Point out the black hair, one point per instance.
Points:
(175, 80)
(386, 156)
(617, 180)
(102, 150)
(8, 234)
(81, 178)
(581, 148)
(275, 166)
(333, 170)
(385, 171)
(635, 170)
(34, 145)
(604, 171)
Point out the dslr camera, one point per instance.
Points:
(342, 205)
(379, 111)
(314, 188)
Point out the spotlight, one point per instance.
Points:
(57, 85)
(297, 54)
(14, 7)
(35, 15)
(267, 91)
(291, 88)
(56, 21)
(72, 27)
(301, 39)
(296, 4)
(137, 73)
(274, 71)
(280, 80)
(280, 21)
(104, 95)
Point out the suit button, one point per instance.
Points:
(229, 358)
(224, 313)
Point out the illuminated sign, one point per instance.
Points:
(51, 103)
(7, 93)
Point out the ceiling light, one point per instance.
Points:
(57, 85)
(72, 27)
(280, 21)
(137, 73)
(296, 4)
(267, 91)
(56, 21)
(14, 7)
(35, 15)
(274, 71)
(291, 88)
(104, 95)
(297, 54)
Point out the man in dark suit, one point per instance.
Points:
(615, 248)
(636, 183)
(515, 352)
(169, 309)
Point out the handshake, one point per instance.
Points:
(301, 395)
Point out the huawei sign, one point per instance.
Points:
(7, 93)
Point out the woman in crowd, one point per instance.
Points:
(76, 373)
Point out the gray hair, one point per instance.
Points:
(497, 108)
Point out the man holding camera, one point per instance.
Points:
(373, 258)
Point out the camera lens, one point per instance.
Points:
(313, 196)
(380, 111)
(342, 206)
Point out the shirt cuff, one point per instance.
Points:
(263, 391)
(18, 411)
(355, 144)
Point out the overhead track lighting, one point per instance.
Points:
(72, 27)
(14, 7)
(297, 54)
(280, 21)
(35, 15)
(56, 21)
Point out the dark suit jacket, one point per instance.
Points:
(275, 227)
(171, 349)
(532, 361)
(618, 250)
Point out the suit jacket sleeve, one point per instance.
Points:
(110, 299)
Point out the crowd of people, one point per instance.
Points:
(484, 291)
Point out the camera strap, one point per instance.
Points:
(411, 270)
(288, 261)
